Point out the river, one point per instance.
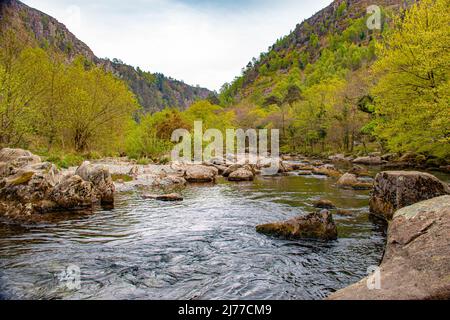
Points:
(205, 247)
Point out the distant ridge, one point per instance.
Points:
(153, 91)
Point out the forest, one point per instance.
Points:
(352, 91)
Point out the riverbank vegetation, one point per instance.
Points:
(346, 89)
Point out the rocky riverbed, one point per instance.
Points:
(36, 191)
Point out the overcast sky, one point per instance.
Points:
(204, 42)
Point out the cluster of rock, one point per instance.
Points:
(29, 186)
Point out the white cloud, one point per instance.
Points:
(200, 44)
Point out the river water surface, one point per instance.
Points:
(205, 247)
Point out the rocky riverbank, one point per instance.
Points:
(416, 263)
(30, 187)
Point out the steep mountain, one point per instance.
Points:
(154, 91)
(339, 30)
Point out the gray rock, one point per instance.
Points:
(394, 190)
(242, 174)
(200, 173)
(101, 179)
(416, 264)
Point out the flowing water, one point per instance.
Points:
(205, 247)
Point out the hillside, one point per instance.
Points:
(154, 91)
(339, 28)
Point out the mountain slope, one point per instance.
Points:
(342, 22)
(154, 91)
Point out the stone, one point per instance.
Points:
(285, 167)
(101, 179)
(324, 204)
(352, 181)
(231, 169)
(200, 173)
(319, 225)
(327, 170)
(172, 197)
(74, 193)
(416, 263)
(394, 190)
(242, 174)
(359, 171)
(170, 180)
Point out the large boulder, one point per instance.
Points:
(370, 161)
(319, 225)
(74, 193)
(394, 190)
(416, 264)
(242, 174)
(101, 179)
(352, 181)
(11, 160)
(200, 173)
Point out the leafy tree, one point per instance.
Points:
(412, 95)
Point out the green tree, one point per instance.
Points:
(412, 95)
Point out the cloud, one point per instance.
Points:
(198, 41)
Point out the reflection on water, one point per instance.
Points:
(205, 247)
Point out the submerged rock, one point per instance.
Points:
(164, 197)
(324, 204)
(319, 225)
(397, 189)
(416, 264)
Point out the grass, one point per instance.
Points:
(123, 177)
(65, 161)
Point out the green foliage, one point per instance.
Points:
(64, 160)
(341, 9)
(412, 95)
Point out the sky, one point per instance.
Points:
(201, 42)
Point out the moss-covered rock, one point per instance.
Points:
(319, 225)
